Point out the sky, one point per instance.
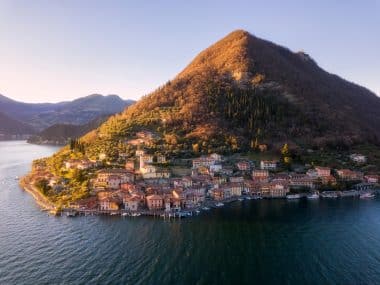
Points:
(57, 50)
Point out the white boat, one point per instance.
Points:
(124, 214)
(293, 196)
(219, 204)
(367, 195)
(113, 214)
(312, 196)
(206, 208)
(349, 193)
(136, 214)
(197, 211)
(241, 199)
(329, 194)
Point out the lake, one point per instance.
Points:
(249, 242)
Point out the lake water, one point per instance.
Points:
(250, 242)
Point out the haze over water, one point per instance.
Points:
(250, 242)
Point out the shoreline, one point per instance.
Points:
(40, 199)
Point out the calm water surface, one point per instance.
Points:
(251, 242)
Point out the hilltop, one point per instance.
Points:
(241, 92)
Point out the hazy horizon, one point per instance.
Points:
(59, 51)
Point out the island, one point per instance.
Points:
(152, 184)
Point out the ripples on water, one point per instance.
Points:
(253, 242)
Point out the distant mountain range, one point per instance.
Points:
(79, 111)
(243, 91)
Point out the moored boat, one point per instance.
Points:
(349, 193)
(367, 195)
(329, 194)
(312, 196)
(206, 208)
(219, 204)
(293, 196)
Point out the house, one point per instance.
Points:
(161, 158)
(203, 161)
(301, 180)
(217, 180)
(109, 204)
(79, 164)
(154, 202)
(260, 174)
(85, 204)
(236, 179)
(236, 188)
(278, 190)
(131, 203)
(268, 164)
(146, 158)
(312, 173)
(243, 165)
(358, 158)
(217, 194)
(371, 178)
(323, 171)
(112, 177)
(328, 180)
(114, 181)
(347, 174)
(216, 157)
(140, 152)
(151, 172)
(263, 147)
(227, 190)
(227, 170)
(248, 186)
(216, 167)
(130, 165)
(187, 181)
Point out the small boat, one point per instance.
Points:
(241, 199)
(197, 211)
(329, 194)
(367, 195)
(113, 214)
(349, 193)
(206, 208)
(248, 197)
(312, 196)
(136, 214)
(71, 214)
(293, 196)
(219, 204)
(124, 214)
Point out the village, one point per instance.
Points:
(145, 186)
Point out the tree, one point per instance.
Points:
(286, 156)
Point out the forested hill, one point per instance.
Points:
(61, 134)
(243, 91)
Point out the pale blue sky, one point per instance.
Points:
(59, 50)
